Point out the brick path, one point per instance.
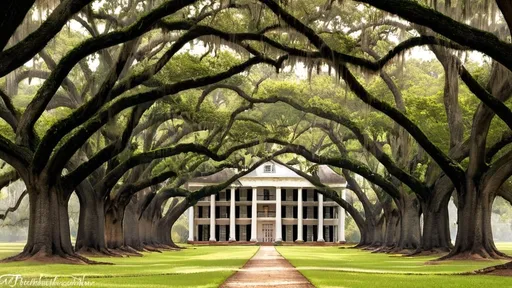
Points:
(267, 269)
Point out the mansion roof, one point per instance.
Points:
(272, 170)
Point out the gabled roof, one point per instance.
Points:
(328, 176)
(324, 173)
(280, 171)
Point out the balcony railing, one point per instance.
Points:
(267, 197)
(266, 214)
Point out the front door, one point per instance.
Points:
(268, 232)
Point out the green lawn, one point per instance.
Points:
(209, 266)
(196, 266)
(352, 268)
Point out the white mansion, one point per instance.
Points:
(270, 204)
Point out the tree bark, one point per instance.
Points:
(132, 235)
(410, 233)
(167, 222)
(114, 231)
(49, 235)
(391, 226)
(474, 233)
(91, 227)
(436, 228)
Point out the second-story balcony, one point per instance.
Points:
(267, 214)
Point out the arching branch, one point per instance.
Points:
(12, 16)
(45, 93)
(23, 51)
(461, 33)
(8, 177)
(57, 132)
(74, 142)
(366, 141)
(111, 179)
(341, 162)
(76, 176)
(330, 193)
(451, 168)
(15, 207)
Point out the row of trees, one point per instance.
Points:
(124, 109)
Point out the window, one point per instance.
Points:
(309, 233)
(311, 212)
(206, 232)
(206, 212)
(269, 168)
(289, 195)
(266, 194)
(243, 232)
(310, 195)
(327, 233)
(243, 211)
(224, 212)
(328, 213)
(222, 233)
(289, 212)
(289, 233)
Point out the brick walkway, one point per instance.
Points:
(267, 269)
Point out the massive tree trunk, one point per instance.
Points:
(475, 197)
(147, 227)
(410, 231)
(163, 234)
(436, 227)
(366, 232)
(49, 235)
(372, 233)
(132, 235)
(91, 227)
(392, 233)
(379, 232)
(474, 232)
(114, 231)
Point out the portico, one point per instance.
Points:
(270, 204)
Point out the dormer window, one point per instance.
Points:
(269, 168)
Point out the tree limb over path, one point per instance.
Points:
(464, 34)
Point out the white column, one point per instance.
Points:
(212, 218)
(191, 223)
(299, 218)
(320, 218)
(341, 219)
(254, 218)
(232, 227)
(279, 232)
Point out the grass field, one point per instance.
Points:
(196, 266)
(351, 268)
(209, 266)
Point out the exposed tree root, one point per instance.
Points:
(361, 246)
(92, 252)
(476, 254)
(435, 251)
(42, 256)
(126, 251)
(138, 248)
(499, 270)
(151, 248)
(403, 251)
(371, 247)
(383, 249)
